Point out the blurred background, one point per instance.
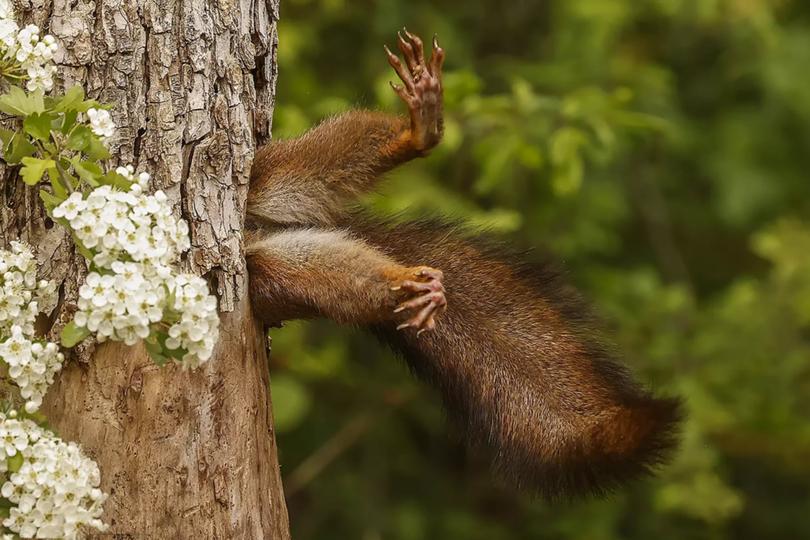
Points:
(661, 149)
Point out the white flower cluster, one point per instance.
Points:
(24, 46)
(198, 325)
(123, 305)
(31, 364)
(101, 123)
(22, 297)
(54, 487)
(135, 291)
(120, 225)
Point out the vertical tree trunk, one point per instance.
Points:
(183, 454)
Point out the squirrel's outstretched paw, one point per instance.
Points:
(421, 89)
(428, 301)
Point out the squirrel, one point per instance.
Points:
(510, 346)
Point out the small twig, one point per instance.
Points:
(326, 454)
(341, 441)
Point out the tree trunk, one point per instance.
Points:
(182, 454)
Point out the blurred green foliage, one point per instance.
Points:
(661, 148)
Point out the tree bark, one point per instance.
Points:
(182, 454)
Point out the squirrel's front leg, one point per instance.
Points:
(309, 179)
(421, 91)
(308, 273)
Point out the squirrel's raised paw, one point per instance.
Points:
(421, 89)
(426, 299)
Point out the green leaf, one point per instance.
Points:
(58, 189)
(72, 99)
(161, 339)
(6, 135)
(86, 253)
(176, 354)
(39, 125)
(73, 334)
(155, 350)
(79, 138)
(156, 347)
(89, 104)
(14, 462)
(114, 179)
(18, 148)
(34, 168)
(88, 171)
(96, 150)
(68, 121)
(50, 201)
(566, 157)
(157, 358)
(49, 147)
(61, 179)
(17, 103)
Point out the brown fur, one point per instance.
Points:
(303, 273)
(521, 368)
(518, 364)
(309, 179)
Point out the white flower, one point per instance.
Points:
(31, 365)
(27, 39)
(55, 491)
(101, 123)
(6, 9)
(71, 207)
(8, 33)
(16, 350)
(22, 297)
(141, 181)
(33, 56)
(198, 325)
(13, 437)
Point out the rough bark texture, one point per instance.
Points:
(183, 455)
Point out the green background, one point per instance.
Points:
(661, 149)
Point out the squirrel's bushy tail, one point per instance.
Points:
(522, 371)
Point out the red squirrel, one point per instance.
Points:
(520, 368)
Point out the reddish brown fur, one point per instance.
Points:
(300, 273)
(309, 179)
(520, 368)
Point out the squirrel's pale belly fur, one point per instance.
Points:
(520, 368)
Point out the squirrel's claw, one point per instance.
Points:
(436, 59)
(437, 297)
(431, 273)
(402, 72)
(413, 51)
